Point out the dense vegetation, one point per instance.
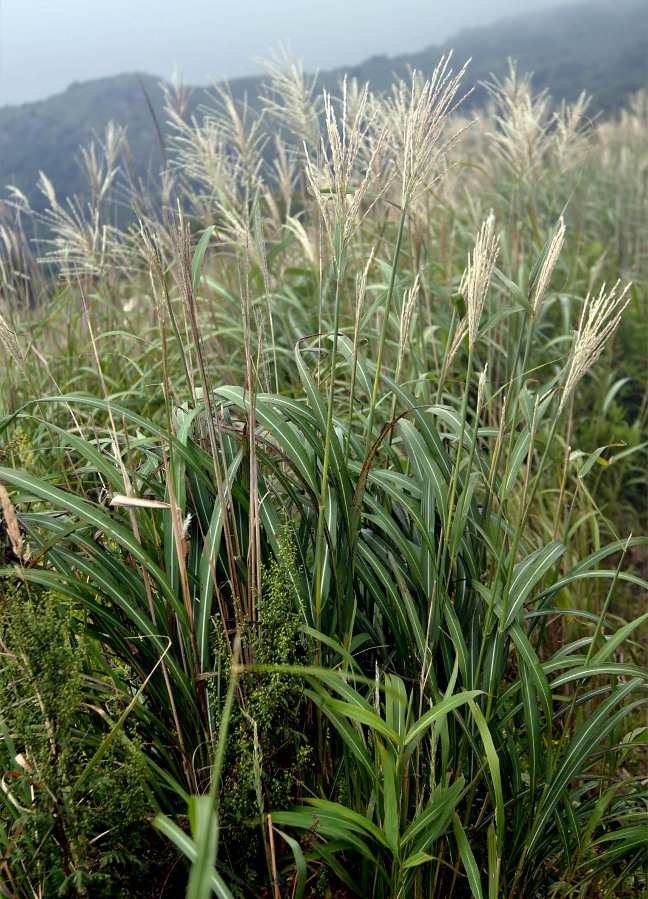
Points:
(592, 45)
(322, 497)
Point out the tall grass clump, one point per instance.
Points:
(304, 467)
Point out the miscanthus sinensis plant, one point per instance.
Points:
(364, 365)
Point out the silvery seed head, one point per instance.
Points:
(417, 117)
(598, 321)
(409, 304)
(9, 340)
(477, 276)
(290, 98)
(548, 265)
(481, 388)
(339, 183)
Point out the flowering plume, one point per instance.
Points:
(9, 341)
(477, 276)
(599, 319)
(339, 202)
(549, 264)
(570, 137)
(522, 122)
(481, 389)
(290, 98)
(418, 116)
(409, 304)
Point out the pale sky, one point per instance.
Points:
(45, 45)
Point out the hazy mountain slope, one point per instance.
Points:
(47, 134)
(597, 45)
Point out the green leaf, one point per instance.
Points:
(391, 816)
(365, 716)
(300, 862)
(612, 642)
(188, 848)
(347, 818)
(439, 711)
(467, 857)
(204, 828)
(526, 575)
(582, 744)
(94, 516)
(512, 287)
(199, 254)
(458, 301)
(494, 864)
(494, 766)
(422, 831)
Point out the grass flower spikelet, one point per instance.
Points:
(599, 320)
(477, 276)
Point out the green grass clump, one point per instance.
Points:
(315, 480)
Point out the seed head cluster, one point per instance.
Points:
(549, 264)
(338, 187)
(598, 322)
(418, 116)
(478, 274)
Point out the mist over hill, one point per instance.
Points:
(597, 46)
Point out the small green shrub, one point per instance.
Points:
(59, 839)
(268, 753)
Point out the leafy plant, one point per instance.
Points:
(327, 530)
(66, 830)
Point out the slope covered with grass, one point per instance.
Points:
(597, 46)
(323, 494)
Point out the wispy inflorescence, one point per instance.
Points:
(83, 241)
(417, 117)
(291, 100)
(338, 186)
(9, 340)
(409, 305)
(481, 389)
(571, 136)
(599, 319)
(549, 264)
(522, 120)
(477, 276)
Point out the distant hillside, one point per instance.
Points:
(599, 46)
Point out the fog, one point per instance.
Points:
(45, 45)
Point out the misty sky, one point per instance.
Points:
(45, 45)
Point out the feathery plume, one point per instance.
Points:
(599, 319)
(522, 123)
(418, 116)
(9, 340)
(570, 137)
(549, 264)
(457, 339)
(481, 388)
(361, 289)
(477, 276)
(409, 304)
(13, 529)
(291, 99)
(338, 201)
(304, 239)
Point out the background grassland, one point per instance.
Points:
(324, 493)
(597, 46)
